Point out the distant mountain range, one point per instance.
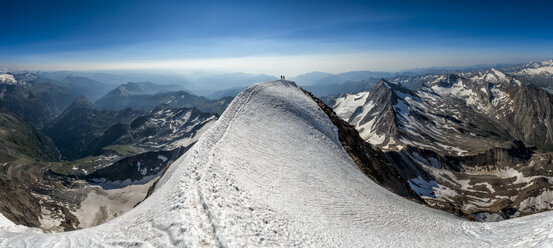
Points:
(36, 100)
(147, 96)
(321, 78)
(118, 98)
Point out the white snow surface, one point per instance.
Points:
(346, 105)
(271, 172)
(539, 70)
(7, 225)
(7, 78)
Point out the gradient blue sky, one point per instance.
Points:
(272, 36)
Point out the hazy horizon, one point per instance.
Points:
(270, 38)
(204, 72)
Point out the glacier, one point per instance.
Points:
(272, 172)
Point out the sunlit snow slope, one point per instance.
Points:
(272, 172)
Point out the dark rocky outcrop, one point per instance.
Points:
(18, 139)
(370, 161)
(17, 204)
(79, 130)
(147, 96)
(137, 167)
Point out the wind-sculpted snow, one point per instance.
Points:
(272, 172)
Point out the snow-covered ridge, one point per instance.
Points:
(433, 112)
(271, 172)
(538, 70)
(534, 68)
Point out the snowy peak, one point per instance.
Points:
(444, 80)
(286, 83)
(495, 76)
(538, 68)
(461, 85)
(450, 105)
(545, 63)
(378, 114)
(19, 79)
(498, 78)
(457, 136)
(394, 87)
(7, 78)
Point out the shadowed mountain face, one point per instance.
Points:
(232, 92)
(79, 129)
(462, 115)
(35, 100)
(87, 87)
(372, 162)
(166, 128)
(127, 95)
(147, 96)
(82, 130)
(462, 135)
(137, 88)
(19, 139)
(39, 100)
(23, 150)
(122, 151)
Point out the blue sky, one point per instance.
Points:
(272, 36)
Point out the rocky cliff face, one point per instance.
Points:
(18, 139)
(137, 169)
(34, 99)
(476, 144)
(115, 157)
(78, 131)
(166, 128)
(18, 204)
(371, 162)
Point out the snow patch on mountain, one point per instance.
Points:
(8, 226)
(349, 104)
(539, 70)
(540, 202)
(271, 172)
(7, 78)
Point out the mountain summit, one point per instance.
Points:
(232, 189)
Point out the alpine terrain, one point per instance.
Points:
(478, 144)
(231, 190)
(88, 166)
